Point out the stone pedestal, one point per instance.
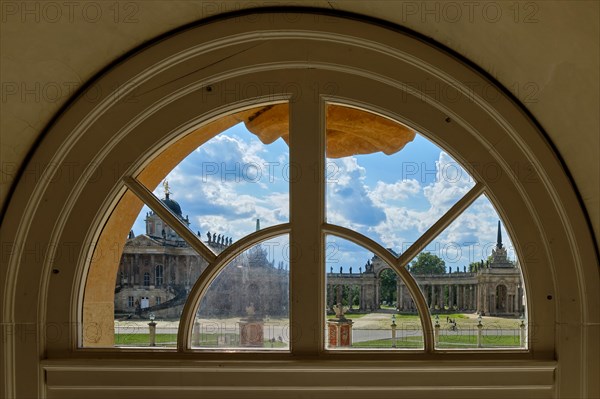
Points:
(522, 335)
(152, 331)
(196, 334)
(339, 332)
(252, 332)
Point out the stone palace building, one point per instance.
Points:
(494, 287)
(158, 269)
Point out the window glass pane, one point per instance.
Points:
(229, 186)
(386, 181)
(368, 305)
(156, 272)
(471, 270)
(229, 183)
(247, 305)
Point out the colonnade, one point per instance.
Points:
(465, 293)
(450, 296)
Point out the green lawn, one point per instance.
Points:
(456, 341)
(170, 340)
(461, 341)
(446, 341)
(144, 339)
(409, 342)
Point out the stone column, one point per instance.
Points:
(456, 294)
(377, 294)
(483, 297)
(456, 291)
(400, 296)
(363, 297)
(349, 296)
(478, 294)
(469, 292)
(520, 298)
(136, 276)
(431, 296)
(457, 288)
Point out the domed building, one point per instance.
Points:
(158, 269)
(157, 229)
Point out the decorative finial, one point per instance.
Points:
(167, 190)
(499, 240)
(257, 224)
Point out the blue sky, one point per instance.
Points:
(233, 179)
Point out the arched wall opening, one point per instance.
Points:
(160, 95)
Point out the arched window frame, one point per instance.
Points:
(549, 208)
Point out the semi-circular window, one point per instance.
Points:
(398, 213)
(334, 194)
(310, 211)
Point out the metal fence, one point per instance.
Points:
(276, 335)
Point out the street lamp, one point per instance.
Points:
(436, 331)
(522, 336)
(152, 326)
(479, 328)
(393, 331)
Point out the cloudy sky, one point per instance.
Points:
(233, 179)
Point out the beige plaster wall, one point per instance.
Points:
(545, 52)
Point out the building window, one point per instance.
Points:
(146, 279)
(158, 275)
(130, 301)
(158, 300)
